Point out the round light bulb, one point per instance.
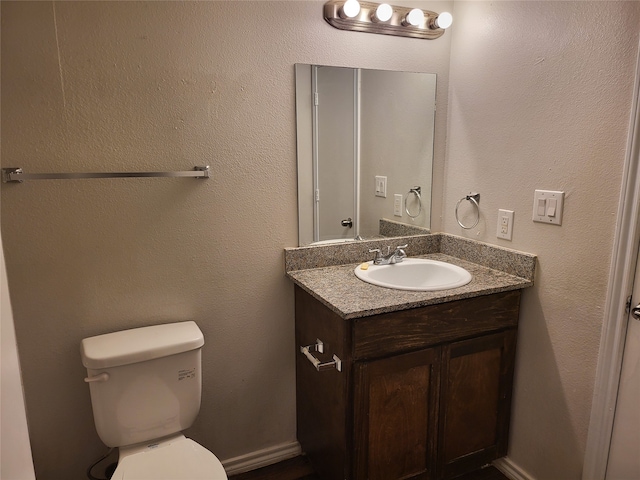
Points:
(415, 17)
(444, 20)
(351, 8)
(383, 12)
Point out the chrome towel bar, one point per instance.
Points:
(319, 365)
(18, 175)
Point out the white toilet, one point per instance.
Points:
(145, 388)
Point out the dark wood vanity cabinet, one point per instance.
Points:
(423, 393)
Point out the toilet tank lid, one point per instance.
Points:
(140, 344)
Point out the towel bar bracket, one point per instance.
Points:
(317, 363)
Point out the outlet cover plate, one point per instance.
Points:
(397, 204)
(505, 224)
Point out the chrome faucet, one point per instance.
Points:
(389, 258)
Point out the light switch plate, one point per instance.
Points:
(381, 186)
(505, 224)
(548, 206)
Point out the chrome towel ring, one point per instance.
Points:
(474, 198)
(416, 191)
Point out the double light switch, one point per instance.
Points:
(547, 206)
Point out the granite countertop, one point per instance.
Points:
(338, 288)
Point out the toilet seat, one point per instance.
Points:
(177, 459)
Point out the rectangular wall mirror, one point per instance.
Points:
(354, 126)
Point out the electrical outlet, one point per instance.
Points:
(381, 186)
(505, 224)
(397, 205)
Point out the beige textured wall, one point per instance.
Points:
(154, 86)
(539, 97)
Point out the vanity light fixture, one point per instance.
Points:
(386, 19)
(383, 13)
(444, 20)
(349, 9)
(414, 18)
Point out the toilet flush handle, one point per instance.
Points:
(103, 377)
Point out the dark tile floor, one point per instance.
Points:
(298, 468)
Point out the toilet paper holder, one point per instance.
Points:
(316, 362)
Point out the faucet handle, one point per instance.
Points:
(378, 256)
(400, 253)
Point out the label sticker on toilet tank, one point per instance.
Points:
(187, 373)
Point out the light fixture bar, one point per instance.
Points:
(397, 25)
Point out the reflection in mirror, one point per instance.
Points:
(353, 127)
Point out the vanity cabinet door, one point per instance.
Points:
(475, 404)
(395, 403)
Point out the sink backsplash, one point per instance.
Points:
(515, 263)
(390, 228)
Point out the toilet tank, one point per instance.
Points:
(145, 383)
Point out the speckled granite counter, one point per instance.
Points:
(323, 272)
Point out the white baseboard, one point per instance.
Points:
(511, 470)
(285, 451)
(261, 458)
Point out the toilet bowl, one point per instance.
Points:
(175, 457)
(145, 386)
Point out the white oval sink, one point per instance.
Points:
(419, 274)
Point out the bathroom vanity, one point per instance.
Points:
(408, 384)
